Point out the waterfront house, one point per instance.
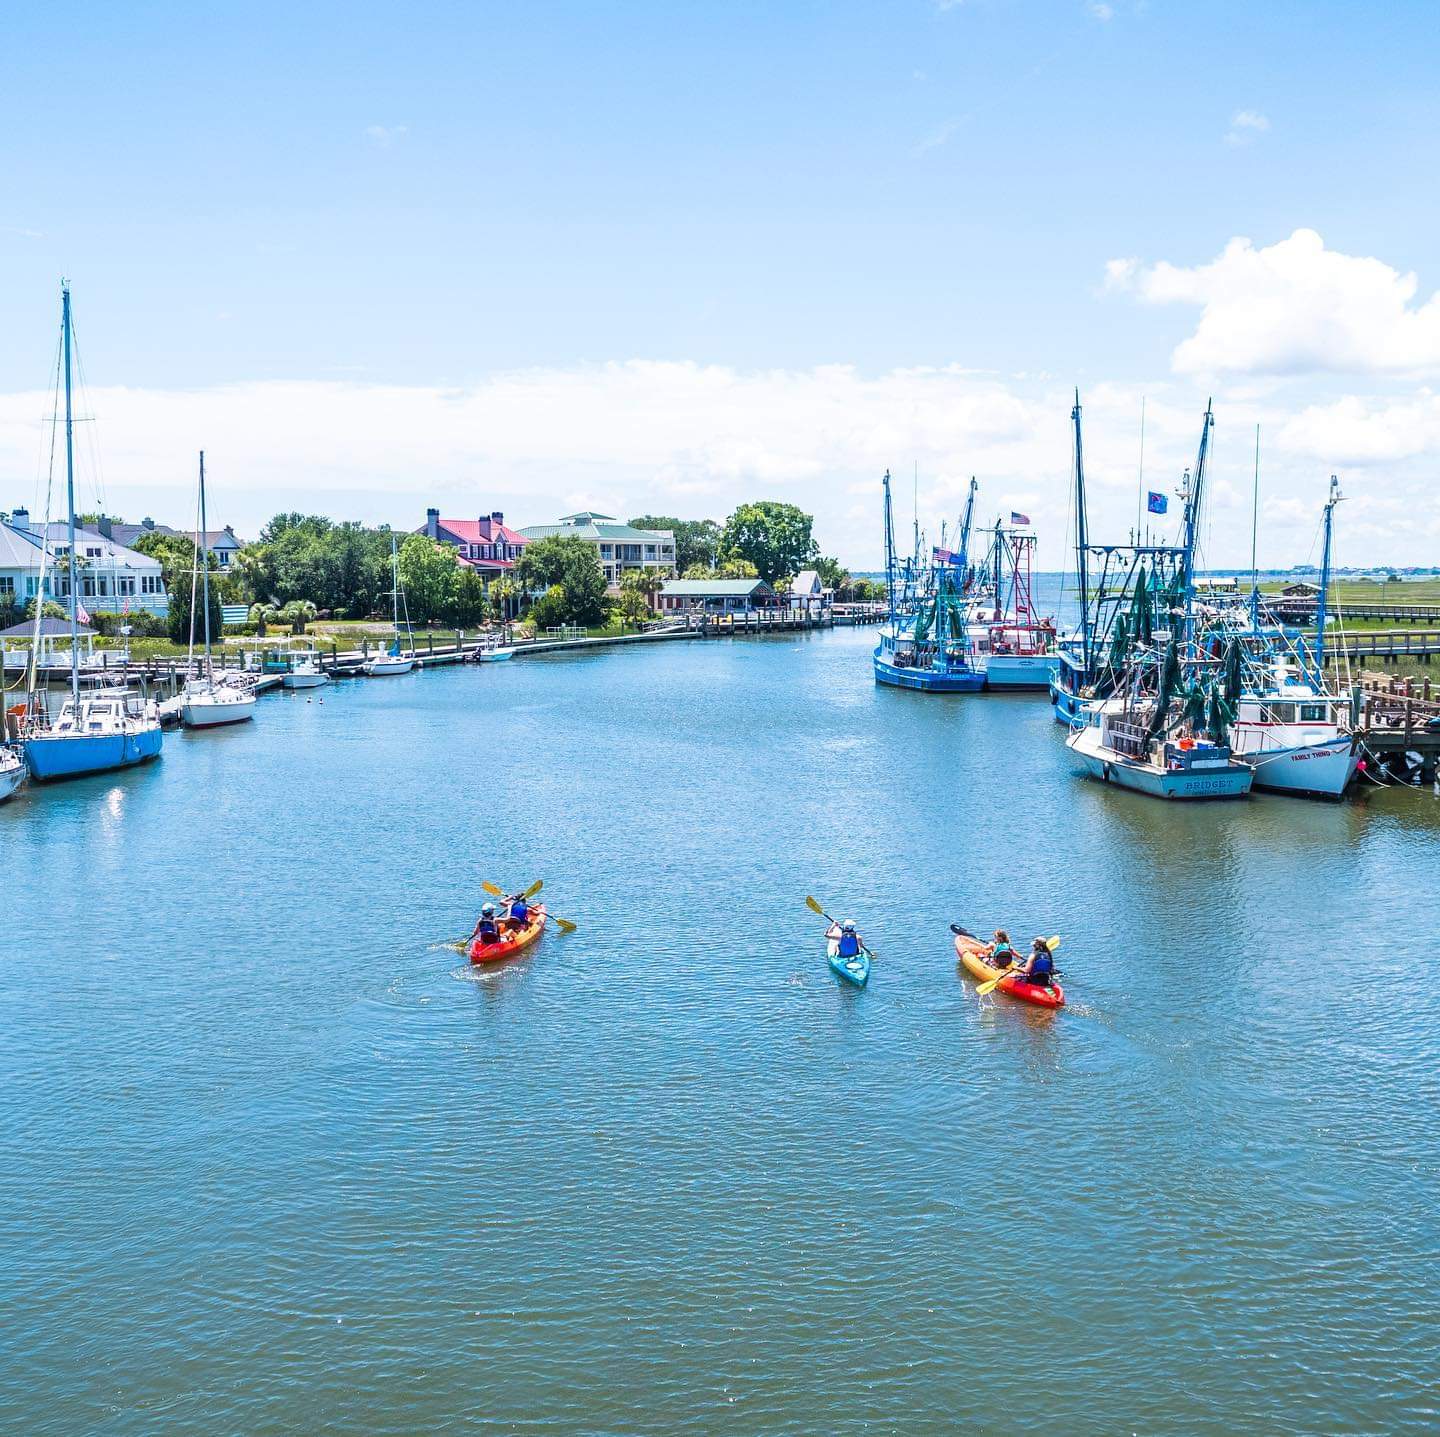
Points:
(808, 594)
(617, 546)
(715, 596)
(19, 562)
(487, 545)
(222, 543)
(113, 579)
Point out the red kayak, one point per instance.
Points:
(972, 954)
(511, 942)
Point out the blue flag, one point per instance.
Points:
(1158, 503)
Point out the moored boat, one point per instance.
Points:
(12, 771)
(394, 660)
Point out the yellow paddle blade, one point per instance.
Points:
(534, 888)
(494, 888)
(1053, 943)
(990, 985)
(811, 904)
(563, 924)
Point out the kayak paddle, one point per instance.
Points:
(991, 984)
(498, 892)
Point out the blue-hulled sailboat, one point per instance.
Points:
(101, 729)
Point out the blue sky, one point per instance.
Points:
(648, 256)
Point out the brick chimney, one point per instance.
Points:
(102, 523)
(432, 523)
(497, 519)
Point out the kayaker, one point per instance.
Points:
(846, 939)
(519, 914)
(1039, 968)
(487, 930)
(999, 952)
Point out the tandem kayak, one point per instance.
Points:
(510, 942)
(854, 970)
(971, 952)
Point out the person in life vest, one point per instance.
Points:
(519, 914)
(846, 939)
(999, 953)
(487, 930)
(1039, 968)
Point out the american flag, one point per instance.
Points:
(945, 556)
(1019, 519)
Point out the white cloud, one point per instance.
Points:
(640, 436)
(1099, 10)
(386, 137)
(1293, 308)
(1245, 125)
(942, 134)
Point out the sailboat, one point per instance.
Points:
(12, 770)
(925, 643)
(104, 728)
(394, 661)
(208, 702)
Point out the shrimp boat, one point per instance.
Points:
(208, 701)
(1126, 593)
(1013, 647)
(104, 729)
(394, 661)
(1300, 737)
(925, 643)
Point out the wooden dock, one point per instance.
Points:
(1401, 724)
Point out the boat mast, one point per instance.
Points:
(70, 504)
(1082, 541)
(1194, 494)
(395, 591)
(889, 551)
(1254, 526)
(205, 581)
(1320, 614)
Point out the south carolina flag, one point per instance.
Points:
(1022, 520)
(1158, 503)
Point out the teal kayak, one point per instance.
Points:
(854, 970)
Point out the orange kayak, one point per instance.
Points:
(971, 952)
(510, 942)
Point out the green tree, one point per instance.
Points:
(727, 569)
(568, 562)
(638, 588)
(469, 605)
(833, 574)
(51, 610)
(175, 553)
(297, 613)
(178, 620)
(430, 575)
(775, 537)
(502, 596)
(551, 609)
(697, 541)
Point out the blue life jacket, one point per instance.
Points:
(849, 945)
(519, 910)
(1043, 966)
(489, 930)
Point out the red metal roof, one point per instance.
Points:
(482, 531)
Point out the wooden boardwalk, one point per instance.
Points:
(1397, 723)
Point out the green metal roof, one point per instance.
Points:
(622, 533)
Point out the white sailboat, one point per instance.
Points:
(394, 661)
(12, 771)
(208, 701)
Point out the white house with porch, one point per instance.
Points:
(113, 579)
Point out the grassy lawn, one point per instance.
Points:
(1367, 591)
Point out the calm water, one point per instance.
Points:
(272, 1162)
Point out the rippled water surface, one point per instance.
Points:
(272, 1161)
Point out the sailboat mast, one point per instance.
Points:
(70, 505)
(1320, 611)
(1082, 541)
(395, 591)
(205, 581)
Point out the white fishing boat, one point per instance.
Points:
(494, 652)
(210, 700)
(1121, 746)
(304, 671)
(394, 660)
